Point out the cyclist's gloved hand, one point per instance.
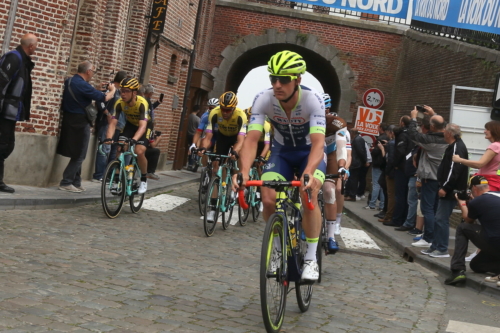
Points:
(108, 140)
(262, 159)
(201, 150)
(193, 147)
(234, 153)
(344, 170)
(133, 142)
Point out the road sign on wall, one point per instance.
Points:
(373, 98)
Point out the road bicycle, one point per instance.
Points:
(226, 198)
(283, 234)
(205, 177)
(252, 197)
(122, 179)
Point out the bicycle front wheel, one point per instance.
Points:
(209, 226)
(228, 206)
(303, 291)
(113, 190)
(135, 198)
(202, 189)
(273, 284)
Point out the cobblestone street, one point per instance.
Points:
(75, 270)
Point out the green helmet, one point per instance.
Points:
(285, 63)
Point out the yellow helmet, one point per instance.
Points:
(285, 63)
(228, 100)
(130, 83)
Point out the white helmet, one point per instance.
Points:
(213, 102)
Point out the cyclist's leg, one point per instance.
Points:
(330, 196)
(311, 223)
(276, 168)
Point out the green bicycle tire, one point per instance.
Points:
(112, 203)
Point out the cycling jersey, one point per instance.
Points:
(204, 122)
(133, 114)
(236, 125)
(308, 117)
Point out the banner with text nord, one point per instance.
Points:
(480, 15)
(394, 8)
(367, 120)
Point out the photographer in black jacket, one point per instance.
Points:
(483, 207)
(403, 149)
(451, 176)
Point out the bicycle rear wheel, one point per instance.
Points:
(202, 189)
(209, 226)
(303, 291)
(136, 199)
(273, 285)
(228, 206)
(244, 213)
(113, 190)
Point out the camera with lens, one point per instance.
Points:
(463, 194)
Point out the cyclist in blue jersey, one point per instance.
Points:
(336, 150)
(200, 131)
(297, 114)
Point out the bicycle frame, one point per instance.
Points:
(122, 158)
(228, 165)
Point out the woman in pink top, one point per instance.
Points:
(489, 163)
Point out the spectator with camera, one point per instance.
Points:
(433, 147)
(452, 178)
(486, 236)
(489, 163)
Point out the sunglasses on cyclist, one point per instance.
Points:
(125, 91)
(227, 110)
(283, 79)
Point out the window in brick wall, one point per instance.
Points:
(172, 79)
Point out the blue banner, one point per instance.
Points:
(480, 15)
(394, 8)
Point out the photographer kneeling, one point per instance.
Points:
(484, 207)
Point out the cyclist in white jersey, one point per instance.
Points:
(297, 114)
(336, 150)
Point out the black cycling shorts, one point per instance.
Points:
(224, 143)
(129, 132)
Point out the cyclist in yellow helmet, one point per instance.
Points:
(297, 114)
(232, 128)
(136, 113)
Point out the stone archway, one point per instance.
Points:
(322, 62)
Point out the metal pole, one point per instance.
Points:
(181, 135)
(9, 26)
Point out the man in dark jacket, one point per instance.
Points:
(433, 146)
(402, 152)
(75, 129)
(358, 160)
(15, 96)
(451, 176)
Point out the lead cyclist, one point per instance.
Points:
(298, 116)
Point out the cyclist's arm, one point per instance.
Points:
(113, 116)
(250, 148)
(143, 124)
(196, 137)
(242, 122)
(267, 146)
(341, 144)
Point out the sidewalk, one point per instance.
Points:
(28, 197)
(401, 241)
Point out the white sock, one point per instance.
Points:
(311, 251)
(331, 228)
(339, 218)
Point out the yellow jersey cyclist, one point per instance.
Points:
(297, 114)
(232, 127)
(336, 150)
(136, 113)
(264, 144)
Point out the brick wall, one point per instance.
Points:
(371, 54)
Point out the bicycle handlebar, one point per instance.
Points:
(272, 184)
